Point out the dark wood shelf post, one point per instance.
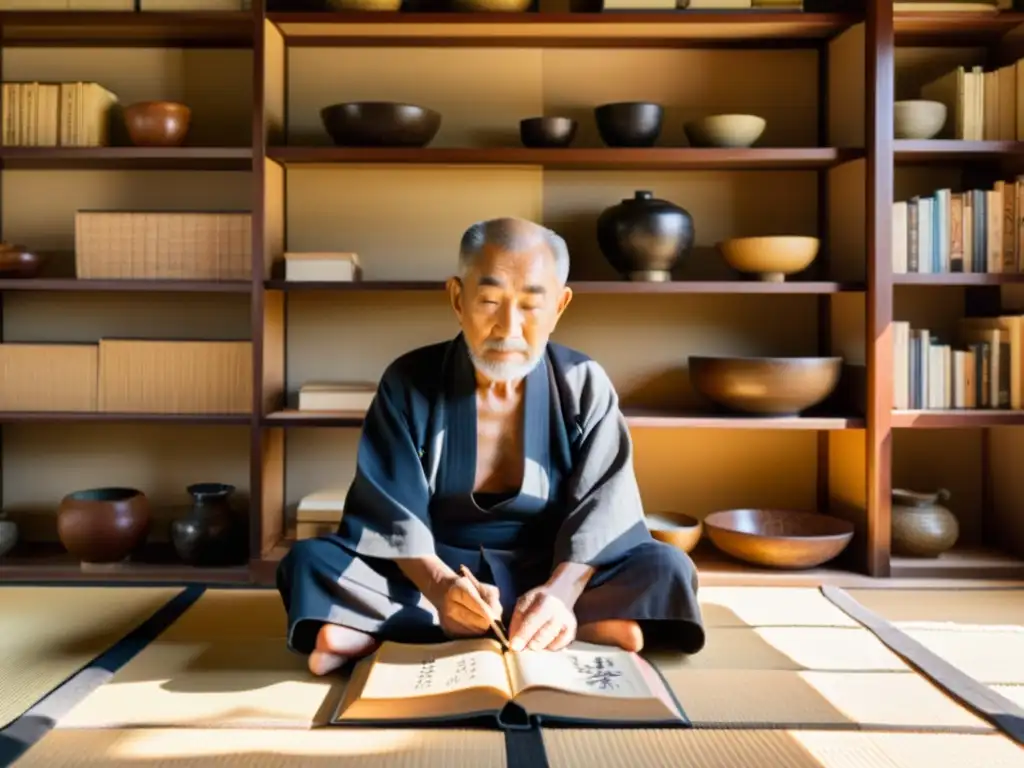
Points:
(880, 95)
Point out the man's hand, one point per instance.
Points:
(462, 613)
(542, 621)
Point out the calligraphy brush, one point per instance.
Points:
(496, 623)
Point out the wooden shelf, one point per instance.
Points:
(214, 29)
(73, 285)
(156, 564)
(564, 30)
(127, 158)
(964, 563)
(958, 278)
(594, 286)
(956, 419)
(639, 419)
(15, 417)
(911, 152)
(606, 158)
(954, 29)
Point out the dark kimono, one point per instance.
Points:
(412, 496)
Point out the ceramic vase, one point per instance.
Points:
(644, 238)
(206, 535)
(921, 525)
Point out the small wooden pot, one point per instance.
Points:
(103, 525)
(157, 123)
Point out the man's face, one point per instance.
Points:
(508, 306)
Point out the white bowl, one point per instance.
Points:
(918, 119)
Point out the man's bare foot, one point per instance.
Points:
(625, 633)
(336, 645)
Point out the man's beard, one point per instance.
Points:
(506, 370)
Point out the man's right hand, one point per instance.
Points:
(462, 613)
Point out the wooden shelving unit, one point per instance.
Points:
(830, 169)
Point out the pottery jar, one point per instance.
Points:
(644, 238)
(103, 525)
(206, 534)
(921, 525)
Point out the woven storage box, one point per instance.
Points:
(48, 377)
(141, 376)
(120, 245)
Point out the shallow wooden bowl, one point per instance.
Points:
(680, 531)
(770, 258)
(766, 386)
(17, 262)
(778, 538)
(380, 124)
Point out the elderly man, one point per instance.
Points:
(503, 452)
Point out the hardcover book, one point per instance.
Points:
(476, 680)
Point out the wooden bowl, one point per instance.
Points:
(380, 124)
(103, 525)
(680, 531)
(725, 131)
(766, 386)
(157, 123)
(770, 258)
(17, 262)
(778, 538)
(918, 119)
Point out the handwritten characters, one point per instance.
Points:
(464, 672)
(599, 672)
(425, 675)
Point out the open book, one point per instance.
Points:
(477, 679)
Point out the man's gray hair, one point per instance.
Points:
(513, 235)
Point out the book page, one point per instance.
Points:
(403, 671)
(610, 673)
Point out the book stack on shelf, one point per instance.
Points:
(56, 114)
(976, 368)
(977, 231)
(981, 105)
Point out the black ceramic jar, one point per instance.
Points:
(644, 238)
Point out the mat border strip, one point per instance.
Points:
(32, 725)
(998, 710)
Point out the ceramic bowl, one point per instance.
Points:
(547, 131)
(766, 386)
(629, 123)
(725, 130)
(778, 538)
(157, 123)
(770, 258)
(17, 262)
(680, 531)
(918, 119)
(380, 124)
(103, 525)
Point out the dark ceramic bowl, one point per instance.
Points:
(380, 124)
(547, 131)
(629, 123)
(16, 262)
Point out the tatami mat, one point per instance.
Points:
(52, 632)
(222, 664)
(776, 749)
(985, 607)
(770, 607)
(255, 748)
